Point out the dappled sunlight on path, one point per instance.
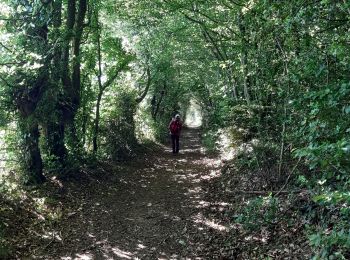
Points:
(152, 209)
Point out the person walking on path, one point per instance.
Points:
(175, 127)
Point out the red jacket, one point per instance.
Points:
(175, 127)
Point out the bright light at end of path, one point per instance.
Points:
(194, 115)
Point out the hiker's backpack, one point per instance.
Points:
(175, 127)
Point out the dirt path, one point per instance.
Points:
(151, 209)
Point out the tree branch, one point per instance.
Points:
(5, 81)
(6, 48)
(118, 70)
(144, 94)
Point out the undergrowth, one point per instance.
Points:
(22, 210)
(293, 200)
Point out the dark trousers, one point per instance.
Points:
(175, 139)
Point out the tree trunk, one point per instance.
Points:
(84, 124)
(55, 141)
(65, 53)
(27, 101)
(76, 75)
(232, 83)
(72, 82)
(157, 106)
(54, 129)
(103, 87)
(244, 63)
(97, 122)
(31, 152)
(148, 84)
(100, 87)
(74, 91)
(244, 58)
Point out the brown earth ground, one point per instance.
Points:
(152, 208)
(157, 206)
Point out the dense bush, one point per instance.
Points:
(118, 140)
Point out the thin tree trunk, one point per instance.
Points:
(156, 110)
(66, 80)
(285, 112)
(232, 83)
(244, 63)
(85, 119)
(148, 84)
(100, 87)
(244, 59)
(97, 122)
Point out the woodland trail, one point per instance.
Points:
(153, 208)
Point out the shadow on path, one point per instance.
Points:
(151, 209)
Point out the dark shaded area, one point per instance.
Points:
(152, 208)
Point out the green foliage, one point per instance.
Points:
(258, 212)
(325, 132)
(277, 72)
(118, 129)
(209, 141)
(331, 244)
(330, 237)
(160, 129)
